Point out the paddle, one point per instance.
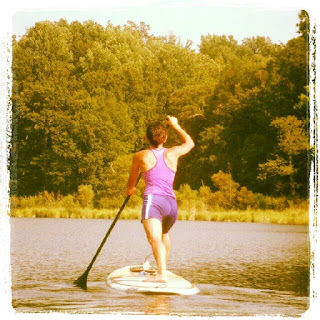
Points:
(82, 280)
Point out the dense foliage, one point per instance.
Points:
(83, 95)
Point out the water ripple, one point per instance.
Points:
(241, 269)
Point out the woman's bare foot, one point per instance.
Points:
(157, 278)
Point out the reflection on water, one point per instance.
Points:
(157, 304)
(241, 269)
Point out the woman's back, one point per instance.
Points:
(159, 177)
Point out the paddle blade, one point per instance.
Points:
(82, 281)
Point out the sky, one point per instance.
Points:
(187, 19)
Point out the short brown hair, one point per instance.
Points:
(156, 133)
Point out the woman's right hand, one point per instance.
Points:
(172, 121)
(131, 191)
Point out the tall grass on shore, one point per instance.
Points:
(77, 213)
(288, 216)
(193, 205)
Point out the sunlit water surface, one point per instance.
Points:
(240, 268)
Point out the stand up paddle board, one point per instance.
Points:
(131, 279)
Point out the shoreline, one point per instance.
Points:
(288, 216)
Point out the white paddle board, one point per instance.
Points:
(131, 279)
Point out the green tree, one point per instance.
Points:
(226, 195)
(187, 198)
(292, 141)
(85, 195)
(304, 24)
(259, 81)
(83, 95)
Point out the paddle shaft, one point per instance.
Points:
(108, 233)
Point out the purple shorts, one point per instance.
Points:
(163, 208)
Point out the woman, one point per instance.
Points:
(158, 166)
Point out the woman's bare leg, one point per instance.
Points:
(167, 243)
(153, 228)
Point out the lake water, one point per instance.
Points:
(240, 268)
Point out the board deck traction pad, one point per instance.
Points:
(131, 279)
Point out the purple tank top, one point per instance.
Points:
(159, 179)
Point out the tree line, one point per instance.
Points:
(83, 95)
